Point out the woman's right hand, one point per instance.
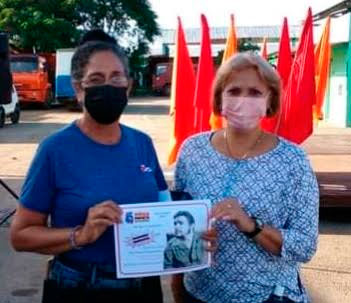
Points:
(211, 237)
(99, 218)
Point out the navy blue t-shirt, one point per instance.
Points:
(71, 173)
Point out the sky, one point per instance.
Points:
(247, 12)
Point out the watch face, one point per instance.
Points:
(258, 228)
(259, 223)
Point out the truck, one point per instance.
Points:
(63, 88)
(161, 79)
(30, 74)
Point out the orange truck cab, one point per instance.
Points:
(30, 77)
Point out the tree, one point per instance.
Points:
(132, 23)
(48, 25)
(121, 17)
(44, 25)
(244, 44)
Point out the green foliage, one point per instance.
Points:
(48, 25)
(120, 17)
(139, 67)
(133, 23)
(45, 25)
(245, 44)
(218, 59)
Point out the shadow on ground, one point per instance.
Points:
(146, 109)
(27, 132)
(335, 221)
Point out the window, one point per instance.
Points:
(24, 64)
(160, 70)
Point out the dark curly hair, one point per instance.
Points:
(97, 35)
(187, 215)
(85, 51)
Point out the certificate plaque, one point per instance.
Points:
(161, 238)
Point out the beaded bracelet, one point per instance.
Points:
(72, 238)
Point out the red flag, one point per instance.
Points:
(231, 48)
(296, 119)
(264, 53)
(284, 68)
(205, 76)
(284, 56)
(182, 95)
(322, 64)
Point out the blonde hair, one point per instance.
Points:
(241, 62)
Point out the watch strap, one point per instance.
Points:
(256, 231)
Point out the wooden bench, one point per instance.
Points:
(335, 189)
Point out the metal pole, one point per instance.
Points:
(9, 189)
(7, 217)
(14, 195)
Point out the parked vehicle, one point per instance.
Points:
(31, 78)
(161, 79)
(5, 73)
(64, 89)
(11, 110)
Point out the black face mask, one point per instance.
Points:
(105, 103)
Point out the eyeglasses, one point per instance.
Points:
(118, 81)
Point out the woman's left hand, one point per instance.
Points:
(231, 211)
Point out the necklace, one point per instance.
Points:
(244, 156)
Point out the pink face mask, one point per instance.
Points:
(244, 113)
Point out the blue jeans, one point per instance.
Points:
(94, 277)
(95, 283)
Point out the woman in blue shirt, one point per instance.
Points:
(263, 191)
(79, 177)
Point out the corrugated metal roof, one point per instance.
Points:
(193, 35)
(194, 49)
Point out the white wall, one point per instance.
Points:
(338, 100)
(339, 29)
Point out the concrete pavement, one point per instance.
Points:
(327, 276)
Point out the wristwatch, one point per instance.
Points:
(258, 228)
